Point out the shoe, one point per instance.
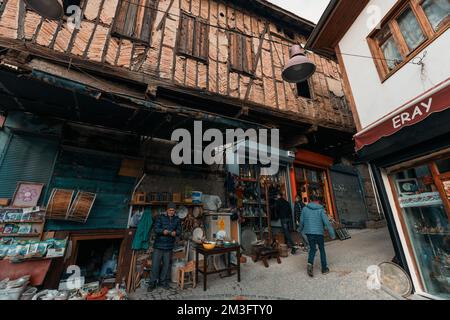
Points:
(151, 287)
(310, 270)
(293, 250)
(325, 271)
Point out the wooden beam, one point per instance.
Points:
(348, 90)
(256, 61)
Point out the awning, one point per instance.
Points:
(52, 96)
(433, 101)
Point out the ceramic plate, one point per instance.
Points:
(220, 262)
(182, 212)
(197, 234)
(197, 211)
(248, 239)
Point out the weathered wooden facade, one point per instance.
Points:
(226, 50)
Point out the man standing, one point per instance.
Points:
(167, 228)
(284, 212)
(313, 220)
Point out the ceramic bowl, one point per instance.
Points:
(209, 245)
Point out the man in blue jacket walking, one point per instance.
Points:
(313, 221)
(167, 228)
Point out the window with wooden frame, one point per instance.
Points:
(134, 20)
(241, 53)
(406, 30)
(193, 37)
(304, 89)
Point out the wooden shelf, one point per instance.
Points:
(248, 179)
(164, 203)
(25, 235)
(27, 221)
(253, 217)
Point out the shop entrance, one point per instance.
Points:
(98, 259)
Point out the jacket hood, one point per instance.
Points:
(314, 206)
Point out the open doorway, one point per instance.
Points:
(98, 259)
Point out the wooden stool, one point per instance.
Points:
(189, 270)
(265, 253)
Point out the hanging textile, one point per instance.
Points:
(142, 236)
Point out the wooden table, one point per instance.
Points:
(218, 250)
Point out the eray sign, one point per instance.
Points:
(418, 109)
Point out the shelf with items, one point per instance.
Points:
(165, 203)
(22, 222)
(20, 235)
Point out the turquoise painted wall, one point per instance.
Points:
(98, 174)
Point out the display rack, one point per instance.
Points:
(36, 226)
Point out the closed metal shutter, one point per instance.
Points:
(26, 158)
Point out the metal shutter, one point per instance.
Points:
(27, 158)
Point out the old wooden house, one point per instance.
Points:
(131, 71)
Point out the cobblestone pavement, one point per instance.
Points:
(348, 261)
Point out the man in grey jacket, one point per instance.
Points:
(313, 221)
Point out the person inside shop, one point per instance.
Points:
(313, 222)
(298, 207)
(167, 229)
(284, 212)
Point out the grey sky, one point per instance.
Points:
(308, 9)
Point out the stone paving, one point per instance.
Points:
(348, 261)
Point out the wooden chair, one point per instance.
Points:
(187, 270)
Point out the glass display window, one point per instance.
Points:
(423, 208)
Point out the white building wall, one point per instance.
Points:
(373, 98)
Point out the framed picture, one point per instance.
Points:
(407, 186)
(27, 194)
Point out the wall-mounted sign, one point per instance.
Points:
(411, 113)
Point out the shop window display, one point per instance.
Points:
(424, 213)
(312, 182)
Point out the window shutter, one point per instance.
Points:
(241, 53)
(248, 55)
(134, 19)
(183, 37)
(193, 37)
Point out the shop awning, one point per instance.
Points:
(435, 100)
(52, 96)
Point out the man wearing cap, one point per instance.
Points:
(167, 228)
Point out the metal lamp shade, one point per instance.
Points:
(50, 9)
(299, 68)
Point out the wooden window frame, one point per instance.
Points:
(192, 55)
(390, 21)
(311, 91)
(231, 68)
(119, 34)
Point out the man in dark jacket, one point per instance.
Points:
(284, 212)
(312, 222)
(167, 228)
